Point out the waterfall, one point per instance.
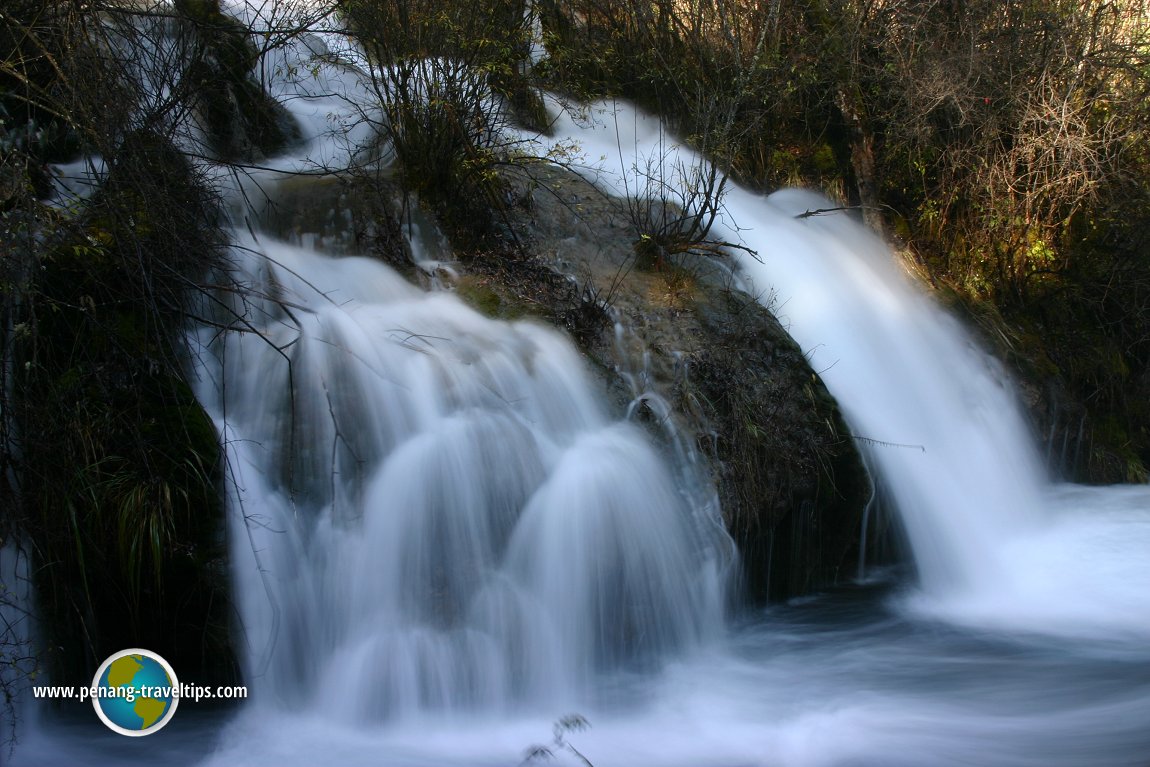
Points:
(431, 510)
(935, 415)
(436, 524)
(442, 540)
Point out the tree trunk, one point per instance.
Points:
(862, 159)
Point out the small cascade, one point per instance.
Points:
(936, 415)
(432, 510)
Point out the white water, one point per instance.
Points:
(437, 513)
(843, 680)
(464, 546)
(952, 446)
(442, 515)
(1036, 664)
(956, 456)
(937, 416)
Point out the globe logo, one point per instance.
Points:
(135, 692)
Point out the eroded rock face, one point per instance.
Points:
(792, 485)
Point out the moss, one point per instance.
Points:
(490, 300)
(137, 478)
(1080, 380)
(1113, 452)
(825, 161)
(121, 465)
(528, 106)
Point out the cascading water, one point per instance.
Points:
(937, 416)
(442, 543)
(441, 514)
(935, 413)
(433, 511)
(932, 410)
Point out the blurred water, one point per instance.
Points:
(850, 678)
(442, 542)
(936, 414)
(431, 510)
(995, 545)
(847, 679)
(1025, 642)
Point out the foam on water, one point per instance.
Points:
(442, 541)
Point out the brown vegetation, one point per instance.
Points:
(1004, 143)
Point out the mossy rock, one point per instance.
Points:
(490, 299)
(122, 470)
(790, 480)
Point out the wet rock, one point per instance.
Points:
(241, 121)
(708, 367)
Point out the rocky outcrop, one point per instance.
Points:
(240, 120)
(707, 368)
(705, 364)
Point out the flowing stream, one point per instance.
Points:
(443, 542)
